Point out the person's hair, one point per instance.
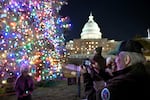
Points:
(100, 60)
(24, 68)
(98, 50)
(135, 58)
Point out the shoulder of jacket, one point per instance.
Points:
(117, 80)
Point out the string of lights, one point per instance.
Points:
(31, 32)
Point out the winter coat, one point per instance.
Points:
(92, 83)
(131, 83)
(24, 85)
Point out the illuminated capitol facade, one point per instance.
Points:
(91, 38)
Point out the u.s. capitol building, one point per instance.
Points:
(91, 38)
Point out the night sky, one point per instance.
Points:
(117, 19)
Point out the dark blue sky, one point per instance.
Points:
(117, 19)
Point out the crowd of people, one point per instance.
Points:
(119, 77)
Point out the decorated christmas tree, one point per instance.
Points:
(31, 32)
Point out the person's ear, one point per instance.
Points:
(127, 59)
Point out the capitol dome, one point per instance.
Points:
(91, 30)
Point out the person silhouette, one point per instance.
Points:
(24, 85)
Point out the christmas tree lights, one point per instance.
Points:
(31, 32)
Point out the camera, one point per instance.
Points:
(26, 92)
(86, 63)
